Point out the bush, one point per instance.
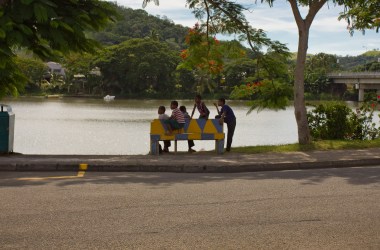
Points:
(329, 121)
(362, 126)
(333, 121)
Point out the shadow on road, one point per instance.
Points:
(354, 176)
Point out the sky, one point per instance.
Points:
(327, 34)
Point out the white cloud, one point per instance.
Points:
(328, 24)
(281, 22)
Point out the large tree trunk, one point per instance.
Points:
(299, 94)
(299, 77)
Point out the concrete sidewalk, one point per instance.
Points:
(194, 163)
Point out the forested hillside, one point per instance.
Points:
(140, 24)
(366, 62)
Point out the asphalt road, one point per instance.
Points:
(309, 209)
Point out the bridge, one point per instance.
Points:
(361, 81)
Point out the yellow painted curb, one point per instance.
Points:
(83, 166)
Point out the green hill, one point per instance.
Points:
(373, 53)
(361, 62)
(140, 24)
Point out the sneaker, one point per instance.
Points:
(191, 150)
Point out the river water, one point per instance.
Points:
(121, 127)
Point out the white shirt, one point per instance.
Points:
(163, 117)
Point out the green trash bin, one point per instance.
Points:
(7, 128)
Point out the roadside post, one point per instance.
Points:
(7, 124)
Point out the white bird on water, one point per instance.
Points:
(109, 98)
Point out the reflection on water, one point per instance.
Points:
(93, 126)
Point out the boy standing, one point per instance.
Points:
(201, 106)
(190, 143)
(226, 114)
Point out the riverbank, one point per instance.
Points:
(315, 145)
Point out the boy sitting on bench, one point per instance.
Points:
(176, 120)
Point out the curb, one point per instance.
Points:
(184, 168)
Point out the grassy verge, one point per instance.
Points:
(316, 145)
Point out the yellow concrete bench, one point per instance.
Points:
(194, 129)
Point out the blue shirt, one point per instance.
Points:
(229, 114)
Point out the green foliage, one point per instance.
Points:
(370, 65)
(237, 71)
(329, 121)
(136, 65)
(321, 97)
(11, 77)
(355, 63)
(372, 53)
(81, 64)
(264, 95)
(203, 57)
(139, 24)
(361, 14)
(45, 28)
(362, 125)
(185, 81)
(335, 121)
(273, 65)
(33, 69)
(317, 68)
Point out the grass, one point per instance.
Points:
(316, 145)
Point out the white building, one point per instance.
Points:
(56, 68)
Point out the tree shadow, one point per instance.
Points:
(353, 176)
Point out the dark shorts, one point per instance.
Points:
(174, 124)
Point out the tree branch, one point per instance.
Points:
(207, 27)
(314, 7)
(243, 27)
(296, 13)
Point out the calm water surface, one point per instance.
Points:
(93, 126)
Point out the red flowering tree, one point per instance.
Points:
(203, 57)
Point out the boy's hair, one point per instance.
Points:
(222, 100)
(175, 103)
(182, 108)
(162, 108)
(198, 97)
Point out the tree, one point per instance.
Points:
(137, 65)
(238, 71)
(304, 24)
(317, 68)
(203, 57)
(46, 28)
(33, 69)
(81, 65)
(360, 14)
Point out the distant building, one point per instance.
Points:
(56, 68)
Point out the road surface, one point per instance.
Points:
(309, 209)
